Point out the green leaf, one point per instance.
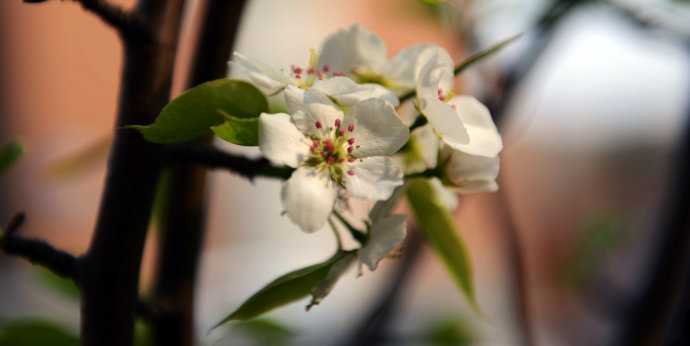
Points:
(481, 55)
(265, 332)
(450, 333)
(9, 153)
(143, 335)
(436, 223)
(242, 131)
(195, 111)
(284, 290)
(36, 333)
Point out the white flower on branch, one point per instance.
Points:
(362, 55)
(470, 141)
(336, 154)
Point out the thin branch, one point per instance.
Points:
(673, 22)
(37, 251)
(212, 157)
(374, 329)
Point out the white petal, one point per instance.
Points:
(373, 178)
(318, 109)
(351, 48)
(347, 93)
(385, 235)
(472, 173)
(434, 72)
(484, 137)
(280, 141)
(308, 198)
(263, 76)
(402, 68)
(377, 128)
(446, 122)
(326, 285)
(294, 99)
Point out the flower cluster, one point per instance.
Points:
(344, 138)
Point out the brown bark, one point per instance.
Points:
(109, 271)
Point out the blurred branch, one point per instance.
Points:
(37, 251)
(373, 328)
(212, 157)
(652, 16)
(653, 307)
(183, 215)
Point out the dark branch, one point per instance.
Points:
(37, 251)
(212, 157)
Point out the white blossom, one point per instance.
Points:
(336, 154)
(363, 56)
(462, 124)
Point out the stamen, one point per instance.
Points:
(350, 173)
(337, 123)
(338, 74)
(318, 124)
(349, 150)
(351, 127)
(326, 68)
(351, 141)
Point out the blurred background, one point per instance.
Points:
(592, 106)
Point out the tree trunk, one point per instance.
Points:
(183, 218)
(109, 272)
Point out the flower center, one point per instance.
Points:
(306, 77)
(332, 148)
(443, 96)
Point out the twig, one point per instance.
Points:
(653, 17)
(37, 251)
(373, 328)
(212, 157)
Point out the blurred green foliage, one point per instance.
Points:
(9, 154)
(454, 332)
(265, 332)
(599, 234)
(36, 332)
(66, 288)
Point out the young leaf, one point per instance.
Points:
(481, 55)
(9, 153)
(195, 111)
(286, 289)
(436, 223)
(241, 131)
(36, 333)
